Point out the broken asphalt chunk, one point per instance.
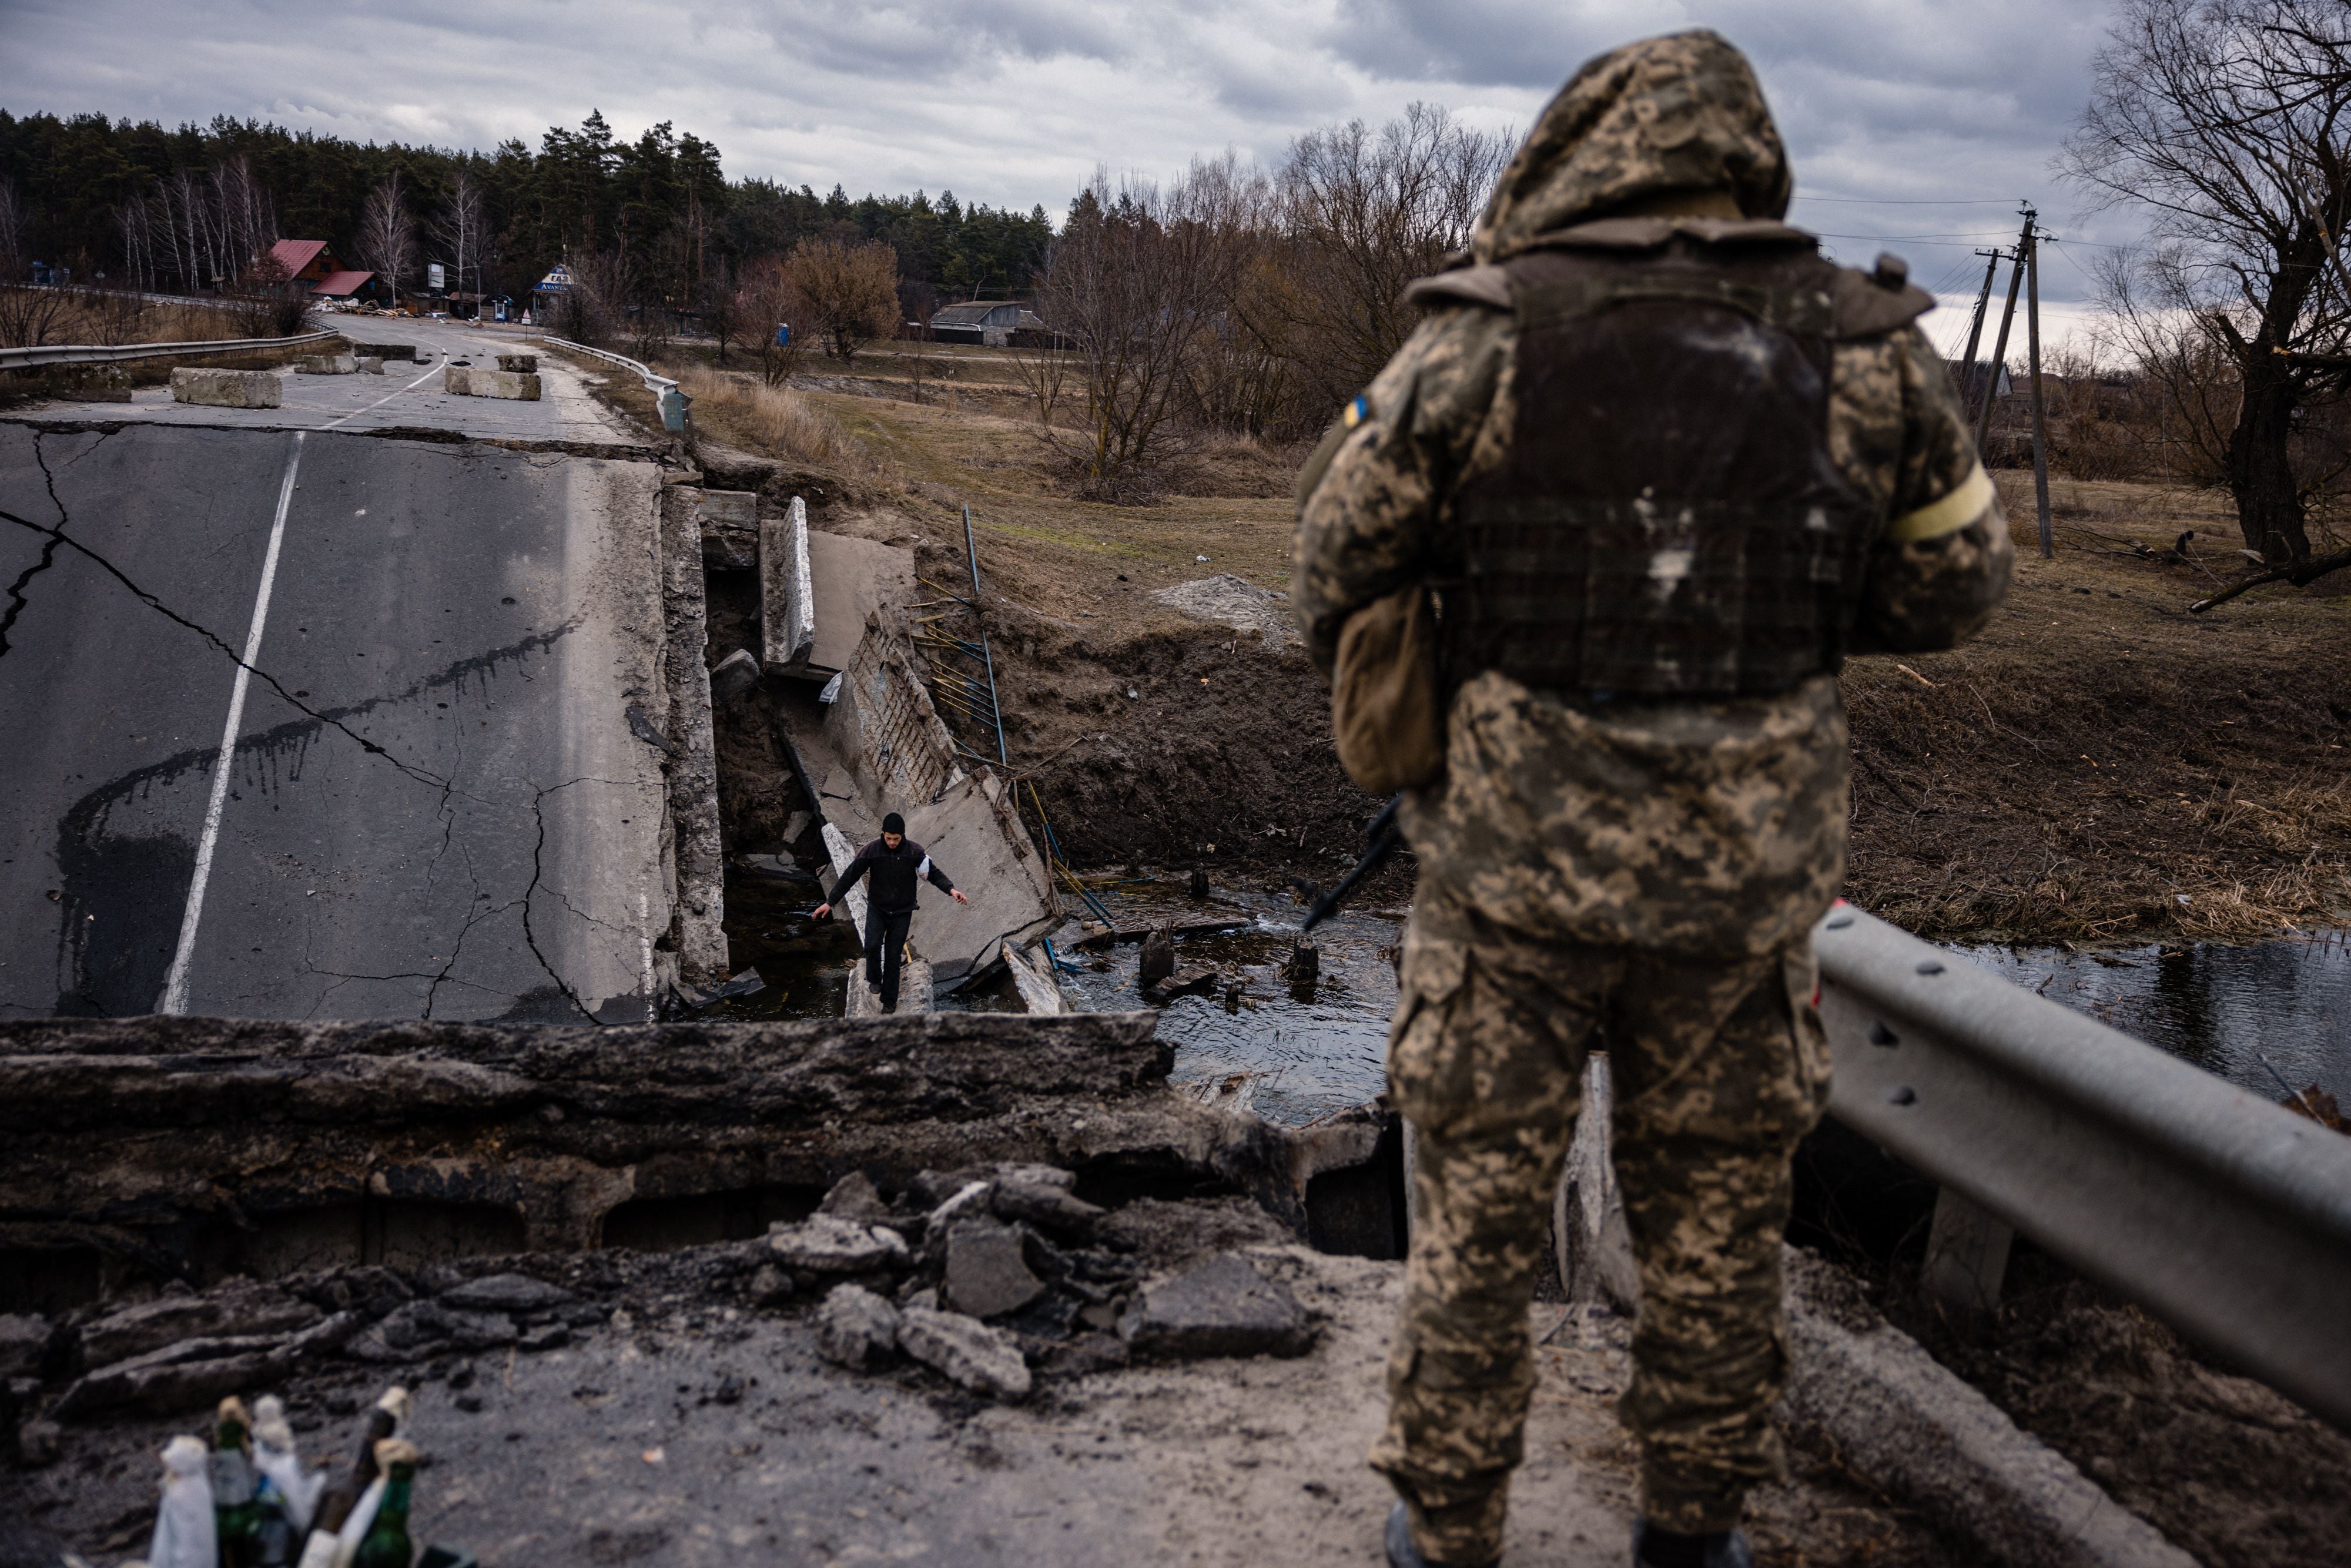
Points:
(229, 1311)
(986, 1275)
(965, 1351)
(856, 1328)
(1223, 1307)
(1049, 1209)
(828, 1244)
(507, 1294)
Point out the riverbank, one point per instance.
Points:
(2099, 767)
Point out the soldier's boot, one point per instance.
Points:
(1655, 1548)
(1403, 1554)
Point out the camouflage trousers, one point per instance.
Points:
(1720, 1068)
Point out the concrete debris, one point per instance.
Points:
(1049, 1209)
(239, 1309)
(965, 1351)
(1158, 959)
(24, 1344)
(36, 1443)
(732, 676)
(427, 1328)
(1229, 600)
(227, 388)
(855, 1198)
(856, 1328)
(1223, 1307)
(386, 350)
(507, 1294)
(327, 365)
(369, 367)
(1038, 993)
(514, 385)
(787, 600)
(730, 530)
(986, 1275)
(546, 1336)
(1191, 981)
(1903, 1421)
(826, 1244)
(771, 1286)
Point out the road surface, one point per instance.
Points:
(440, 802)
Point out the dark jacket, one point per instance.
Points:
(895, 875)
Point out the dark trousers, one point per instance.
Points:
(885, 945)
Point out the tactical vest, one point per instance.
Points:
(1669, 519)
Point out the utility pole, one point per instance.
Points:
(2000, 348)
(1975, 323)
(2040, 411)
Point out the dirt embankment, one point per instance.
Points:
(2099, 765)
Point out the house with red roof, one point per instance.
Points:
(309, 261)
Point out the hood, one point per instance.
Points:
(1640, 128)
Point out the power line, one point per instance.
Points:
(1914, 201)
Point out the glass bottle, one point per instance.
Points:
(386, 1543)
(235, 1514)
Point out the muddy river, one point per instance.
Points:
(1312, 1051)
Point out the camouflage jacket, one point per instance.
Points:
(1715, 826)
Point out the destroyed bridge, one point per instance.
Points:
(364, 899)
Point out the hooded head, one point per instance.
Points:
(894, 823)
(1676, 123)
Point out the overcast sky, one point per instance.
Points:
(1925, 120)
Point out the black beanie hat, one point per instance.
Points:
(893, 823)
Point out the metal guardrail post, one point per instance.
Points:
(2221, 1212)
(671, 402)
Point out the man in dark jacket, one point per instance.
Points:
(897, 865)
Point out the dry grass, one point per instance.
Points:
(776, 422)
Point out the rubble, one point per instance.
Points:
(965, 1351)
(1223, 1307)
(507, 1294)
(986, 1275)
(828, 1244)
(227, 388)
(856, 1328)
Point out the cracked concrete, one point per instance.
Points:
(436, 808)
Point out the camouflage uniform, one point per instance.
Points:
(1648, 868)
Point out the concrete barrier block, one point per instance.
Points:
(227, 388)
(386, 350)
(327, 365)
(527, 364)
(514, 385)
(369, 365)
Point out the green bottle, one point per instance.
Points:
(386, 1543)
(235, 1515)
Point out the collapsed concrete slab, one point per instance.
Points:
(473, 382)
(787, 590)
(730, 528)
(227, 388)
(203, 1148)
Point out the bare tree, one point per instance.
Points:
(1137, 285)
(461, 230)
(28, 316)
(388, 235)
(847, 293)
(1362, 213)
(2228, 120)
(764, 304)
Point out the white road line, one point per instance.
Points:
(379, 402)
(175, 984)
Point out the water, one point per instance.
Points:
(804, 962)
(1320, 1051)
(2212, 1004)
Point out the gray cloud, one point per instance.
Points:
(1899, 110)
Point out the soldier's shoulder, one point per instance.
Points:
(1483, 284)
(1882, 301)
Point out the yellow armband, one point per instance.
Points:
(1952, 513)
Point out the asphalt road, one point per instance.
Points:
(436, 805)
(407, 395)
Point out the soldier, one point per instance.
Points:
(1648, 470)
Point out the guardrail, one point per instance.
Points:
(2225, 1215)
(673, 403)
(98, 354)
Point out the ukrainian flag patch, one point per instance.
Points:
(1359, 409)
